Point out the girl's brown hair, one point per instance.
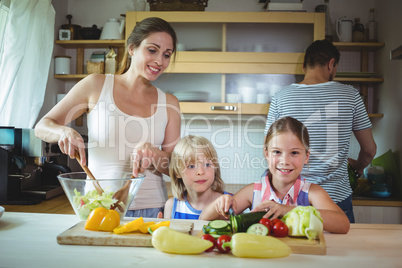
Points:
(185, 153)
(140, 32)
(289, 124)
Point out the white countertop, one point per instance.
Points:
(29, 240)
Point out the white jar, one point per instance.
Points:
(62, 64)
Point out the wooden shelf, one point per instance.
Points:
(360, 79)
(358, 46)
(90, 43)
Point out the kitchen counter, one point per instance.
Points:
(29, 240)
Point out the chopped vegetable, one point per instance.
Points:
(217, 228)
(171, 241)
(101, 219)
(257, 246)
(144, 227)
(84, 204)
(304, 221)
(258, 229)
(155, 226)
(129, 227)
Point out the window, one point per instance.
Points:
(4, 9)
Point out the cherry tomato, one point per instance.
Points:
(280, 229)
(209, 238)
(268, 223)
(275, 221)
(219, 242)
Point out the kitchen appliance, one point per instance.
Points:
(74, 29)
(344, 29)
(113, 29)
(90, 33)
(28, 167)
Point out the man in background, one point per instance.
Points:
(331, 111)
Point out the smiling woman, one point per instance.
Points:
(132, 125)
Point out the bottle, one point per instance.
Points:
(358, 31)
(372, 27)
(111, 63)
(329, 29)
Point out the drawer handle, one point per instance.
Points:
(224, 108)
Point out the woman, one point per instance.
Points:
(132, 125)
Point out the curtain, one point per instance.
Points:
(24, 61)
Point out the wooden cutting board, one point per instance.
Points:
(301, 245)
(77, 235)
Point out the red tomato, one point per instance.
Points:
(219, 242)
(209, 238)
(275, 221)
(280, 229)
(267, 223)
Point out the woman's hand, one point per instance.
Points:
(146, 155)
(71, 141)
(274, 210)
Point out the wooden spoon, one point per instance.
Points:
(89, 173)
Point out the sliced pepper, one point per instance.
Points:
(144, 227)
(132, 226)
(110, 221)
(95, 218)
(155, 226)
(102, 219)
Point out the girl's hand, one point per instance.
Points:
(274, 210)
(223, 203)
(71, 141)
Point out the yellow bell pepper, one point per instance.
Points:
(257, 246)
(171, 241)
(102, 219)
(132, 226)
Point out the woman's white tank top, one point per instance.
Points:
(112, 136)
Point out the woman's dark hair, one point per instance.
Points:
(140, 32)
(320, 53)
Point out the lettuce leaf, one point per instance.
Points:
(84, 204)
(304, 221)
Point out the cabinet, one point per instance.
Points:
(225, 61)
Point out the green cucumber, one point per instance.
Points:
(258, 229)
(240, 223)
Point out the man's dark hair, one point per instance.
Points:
(320, 53)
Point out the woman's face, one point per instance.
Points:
(199, 176)
(286, 156)
(153, 55)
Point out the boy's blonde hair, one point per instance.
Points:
(185, 153)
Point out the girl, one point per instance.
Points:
(196, 178)
(127, 117)
(281, 187)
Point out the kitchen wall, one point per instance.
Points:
(387, 94)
